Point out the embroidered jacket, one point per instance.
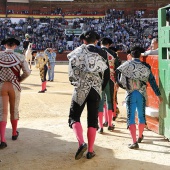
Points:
(10, 65)
(134, 74)
(41, 60)
(86, 70)
(113, 62)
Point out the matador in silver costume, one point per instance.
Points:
(87, 68)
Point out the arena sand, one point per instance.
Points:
(47, 143)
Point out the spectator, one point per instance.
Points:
(154, 48)
(52, 60)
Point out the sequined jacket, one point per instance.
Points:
(134, 75)
(41, 59)
(86, 71)
(11, 64)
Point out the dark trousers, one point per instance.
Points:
(76, 110)
(43, 73)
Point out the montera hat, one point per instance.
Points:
(90, 34)
(10, 40)
(106, 40)
(136, 48)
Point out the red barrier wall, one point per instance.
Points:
(63, 56)
(152, 60)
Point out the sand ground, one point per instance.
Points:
(47, 143)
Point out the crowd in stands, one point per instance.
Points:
(50, 33)
(57, 11)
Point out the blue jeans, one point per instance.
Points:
(51, 71)
(135, 100)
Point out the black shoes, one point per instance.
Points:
(3, 145)
(80, 151)
(114, 118)
(51, 80)
(133, 146)
(42, 91)
(140, 139)
(100, 130)
(105, 124)
(90, 155)
(16, 136)
(111, 128)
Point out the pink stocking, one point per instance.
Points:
(2, 131)
(78, 130)
(105, 113)
(132, 129)
(14, 127)
(141, 129)
(91, 135)
(100, 118)
(43, 86)
(45, 82)
(110, 117)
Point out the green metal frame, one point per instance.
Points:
(164, 71)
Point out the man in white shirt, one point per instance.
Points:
(154, 48)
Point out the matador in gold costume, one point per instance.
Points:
(41, 63)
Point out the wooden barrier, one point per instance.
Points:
(63, 56)
(152, 109)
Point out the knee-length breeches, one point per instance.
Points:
(43, 73)
(106, 92)
(9, 94)
(135, 100)
(92, 101)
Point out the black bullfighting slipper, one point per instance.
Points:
(3, 145)
(16, 136)
(100, 130)
(111, 128)
(90, 155)
(114, 118)
(140, 139)
(42, 91)
(105, 124)
(133, 146)
(80, 151)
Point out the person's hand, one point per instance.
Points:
(49, 67)
(160, 99)
(116, 86)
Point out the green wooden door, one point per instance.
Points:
(164, 70)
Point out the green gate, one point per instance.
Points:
(164, 69)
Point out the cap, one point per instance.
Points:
(11, 40)
(27, 36)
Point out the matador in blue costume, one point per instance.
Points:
(133, 76)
